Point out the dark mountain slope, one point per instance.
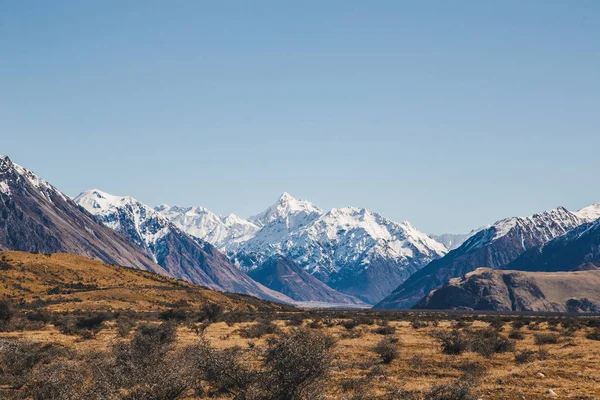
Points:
(285, 276)
(36, 217)
(493, 247)
(566, 252)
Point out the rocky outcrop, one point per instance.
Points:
(486, 289)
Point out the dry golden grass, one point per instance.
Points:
(66, 282)
(571, 369)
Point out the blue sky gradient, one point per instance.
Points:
(448, 114)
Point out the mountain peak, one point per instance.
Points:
(285, 197)
(589, 213)
(286, 206)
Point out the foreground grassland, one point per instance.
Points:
(341, 357)
(72, 328)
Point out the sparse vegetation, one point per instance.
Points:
(171, 342)
(387, 349)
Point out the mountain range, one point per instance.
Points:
(295, 252)
(179, 254)
(351, 249)
(493, 247)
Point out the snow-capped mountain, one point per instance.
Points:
(494, 247)
(352, 249)
(577, 249)
(181, 255)
(589, 213)
(37, 217)
(222, 232)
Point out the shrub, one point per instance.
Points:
(350, 324)
(516, 334)
(524, 357)
(295, 320)
(297, 363)
(124, 325)
(453, 342)
(518, 324)
(387, 349)
(594, 335)
(60, 380)
(174, 315)
(222, 369)
(418, 324)
(546, 338)
(385, 330)
(497, 324)
(460, 390)
(488, 342)
(210, 312)
(315, 324)
(40, 316)
(472, 370)
(259, 329)
(18, 359)
(5, 312)
(85, 326)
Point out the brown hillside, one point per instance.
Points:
(67, 282)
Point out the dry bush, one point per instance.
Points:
(524, 357)
(418, 324)
(85, 326)
(259, 329)
(594, 335)
(296, 365)
(295, 320)
(6, 312)
(387, 349)
(18, 359)
(60, 380)
(385, 330)
(222, 370)
(472, 370)
(516, 334)
(460, 390)
(124, 325)
(352, 334)
(546, 338)
(453, 342)
(518, 323)
(489, 342)
(210, 312)
(175, 315)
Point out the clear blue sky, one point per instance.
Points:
(449, 114)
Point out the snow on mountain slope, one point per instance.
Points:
(181, 255)
(340, 245)
(37, 217)
(294, 212)
(222, 232)
(589, 213)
